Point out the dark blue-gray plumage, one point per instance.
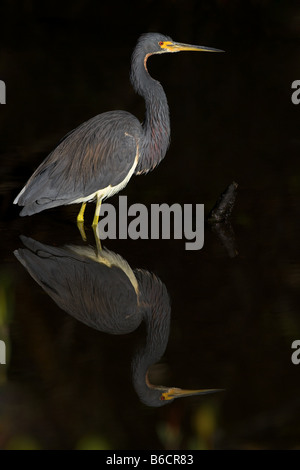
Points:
(98, 158)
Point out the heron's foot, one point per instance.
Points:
(81, 229)
(97, 214)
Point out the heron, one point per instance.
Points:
(97, 159)
(106, 294)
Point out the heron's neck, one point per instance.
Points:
(156, 125)
(156, 315)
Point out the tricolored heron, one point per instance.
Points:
(103, 292)
(98, 158)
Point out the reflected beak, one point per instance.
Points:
(173, 393)
(171, 46)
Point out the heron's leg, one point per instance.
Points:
(97, 213)
(81, 230)
(95, 223)
(80, 222)
(97, 240)
(80, 217)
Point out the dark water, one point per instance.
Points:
(233, 320)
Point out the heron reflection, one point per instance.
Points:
(103, 292)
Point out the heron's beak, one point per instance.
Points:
(179, 393)
(171, 46)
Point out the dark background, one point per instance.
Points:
(233, 319)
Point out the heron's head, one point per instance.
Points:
(156, 43)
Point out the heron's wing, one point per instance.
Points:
(97, 154)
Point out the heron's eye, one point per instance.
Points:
(160, 43)
(162, 398)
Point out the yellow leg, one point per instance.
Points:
(80, 222)
(81, 230)
(80, 217)
(97, 213)
(94, 225)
